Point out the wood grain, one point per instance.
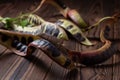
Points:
(39, 66)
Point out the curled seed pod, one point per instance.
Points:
(90, 57)
(42, 27)
(77, 19)
(57, 42)
(52, 51)
(96, 56)
(13, 41)
(19, 48)
(74, 30)
(99, 55)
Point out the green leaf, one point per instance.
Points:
(24, 23)
(8, 22)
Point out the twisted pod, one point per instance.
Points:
(92, 57)
(99, 55)
(25, 44)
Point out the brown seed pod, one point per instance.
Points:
(101, 54)
(52, 51)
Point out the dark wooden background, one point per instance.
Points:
(41, 67)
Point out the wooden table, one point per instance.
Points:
(41, 67)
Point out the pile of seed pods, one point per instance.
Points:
(28, 32)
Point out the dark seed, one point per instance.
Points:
(16, 38)
(56, 32)
(19, 45)
(42, 43)
(30, 39)
(79, 37)
(69, 27)
(55, 52)
(4, 37)
(14, 43)
(23, 48)
(23, 40)
(67, 63)
(49, 29)
(49, 48)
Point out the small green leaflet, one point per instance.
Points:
(8, 22)
(23, 23)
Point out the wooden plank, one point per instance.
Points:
(40, 66)
(116, 58)
(102, 73)
(7, 60)
(93, 14)
(2, 50)
(4, 8)
(72, 74)
(57, 72)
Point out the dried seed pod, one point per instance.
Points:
(101, 54)
(72, 14)
(40, 26)
(98, 56)
(53, 52)
(77, 19)
(74, 30)
(47, 28)
(88, 58)
(15, 41)
(54, 30)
